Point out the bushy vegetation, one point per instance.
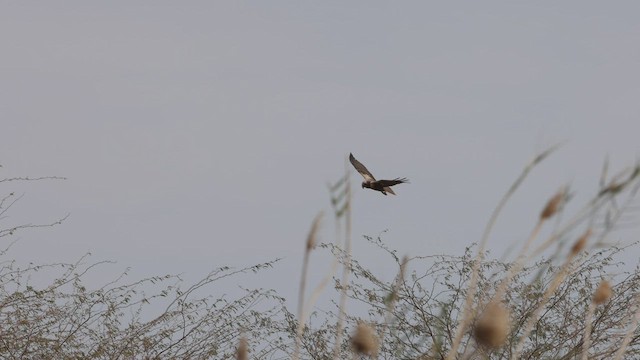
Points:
(576, 304)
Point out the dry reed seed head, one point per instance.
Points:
(614, 188)
(311, 242)
(581, 243)
(493, 326)
(243, 349)
(313, 233)
(403, 266)
(603, 293)
(554, 204)
(364, 340)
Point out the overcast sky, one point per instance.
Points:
(201, 134)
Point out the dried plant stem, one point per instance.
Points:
(393, 296)
(471, 292)
(557, 280)
(318, 289)
(302, 316)
(346, 270)
(602, 294)
(632, 329)
(303, 283)
(323, 283)
(586, 342)
(519, 263)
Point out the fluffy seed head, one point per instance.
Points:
(492, 328)
(553, 205)
(243, 352)
(581, 243)
(364, 340)
(603, 293)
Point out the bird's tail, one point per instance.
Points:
(388, 189)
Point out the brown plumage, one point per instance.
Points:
(384, 186)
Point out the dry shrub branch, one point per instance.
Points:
(535, 306)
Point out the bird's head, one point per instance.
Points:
(363, 184)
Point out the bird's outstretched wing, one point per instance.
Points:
(361, 169)
(387, 183)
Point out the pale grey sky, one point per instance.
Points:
(200, 134)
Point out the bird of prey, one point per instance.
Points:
(384, 186)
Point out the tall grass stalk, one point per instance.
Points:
(346, 270)
(467, 312)
(564, 271)
(630, 331)
(302, 316)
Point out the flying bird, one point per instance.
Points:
(384, 186)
